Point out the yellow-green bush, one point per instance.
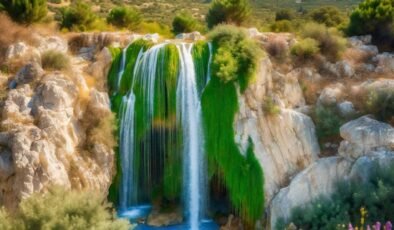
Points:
(55, 60)
(228, 11)
(60, 209)
(185, 23)
(331, 16)
(25, 11)
(125, 17)
(305, 49)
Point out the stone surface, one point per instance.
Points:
(284, 144)
(363, 135)
(52, 43)
(385, 62)
(29, 73)
(346, 109)
(331, 94)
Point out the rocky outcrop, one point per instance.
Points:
(48, 135)
(367, 142)
(284, 143)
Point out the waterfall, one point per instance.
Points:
(189, 112)
(160, 128)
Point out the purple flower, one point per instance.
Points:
(388, 225)
(377, 225)
(350, 227)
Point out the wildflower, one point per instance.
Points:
(388, 225)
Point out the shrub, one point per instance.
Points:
(380, 103)
(305, 49)
(331, 16)
(327, 122)
(330, 41)
(270, 107)
(285, 14)
(236, 56)
(60, 209)
(184, 23)
(55, 60)
(348, 199)
(155, 27)
(125, 17)
(228, 11)
(281, 26)
(79, 16)
(375, 17)
(277, 48)
(25, 11)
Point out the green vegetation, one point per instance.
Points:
(185, 23)
(228, 12)
(331, 16)
(55, 60)
(330, 41)
(236, 56)
(374, 194)
(270, 107)
(25, 11)
(240, 172)
(201, 55)
(305, 49)
(380, 103)
(282, 26)
(374, 17)
(60, 209)
(125, 17)
(327, 122)
(78, 16)
(285, 14)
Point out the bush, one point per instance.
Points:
(270, 107)
(331, 16)
(305, 49)
(327, 122)
(330, 41)
(185, 23)
(380, 103)
(125, 17)
(25, 11)
(236, 56)
(79, 17)
(60, 209)
(55, 60)
(277, 48)
(228, 11)
(285, 14)
(281, 26)
(344, 206)
(375, 17)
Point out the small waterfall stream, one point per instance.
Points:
(149, 136)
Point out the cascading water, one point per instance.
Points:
(160, 128)
(189, 112)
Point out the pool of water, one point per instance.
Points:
(136, 213)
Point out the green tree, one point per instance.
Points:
(285, 14)
(328, 15)
(25, 11)
(79, 16)
(126, 17)
(374, 17)
(184, 23)
(228, 11)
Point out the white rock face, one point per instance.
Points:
(346, 109)
(363, 135)
(53, 43)
(46, 136)
(284, 144)
(331, 94)
(319, 179)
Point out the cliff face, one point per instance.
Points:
(54, 127)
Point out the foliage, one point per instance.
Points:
(125, 17)
(25, 11)
(375, 17)
(228, 11)
(270, 107)
(55, 60)
(277, 48)
(202, 52)
(305, 49)
(60, 209)
(185, 23)
(155, 27)
(345, 205)
(281, 26)
(236, 56)
(331, 16)
(78, 16)
(330, 41)
(285, 14)
(380, 103)
(327, 122)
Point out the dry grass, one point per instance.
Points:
(277, 48)
(104, 132)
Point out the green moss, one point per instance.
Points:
(131, 57)
(114, 70)
(201, 55)
(242, 175)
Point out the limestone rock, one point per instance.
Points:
(53, 43)
(193, 36)
(29, 73)
(363, 135)
(346, 109)
(385, 62)
(331, 94)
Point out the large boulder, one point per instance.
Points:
(363, 135)
(29, 73)
(331, 94)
